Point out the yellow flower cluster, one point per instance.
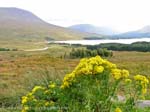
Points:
(118, 74)
(143, 81)
(118, 110)
(24, 99)
(28, 97)
(99, 70)
(68, 79)
(93, 66)
(31, 96)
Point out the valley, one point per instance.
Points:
(81, 67)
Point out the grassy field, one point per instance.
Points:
(22, 44)
(20, 71)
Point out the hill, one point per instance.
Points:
(143, 32)
(21, 25)
(88, 28)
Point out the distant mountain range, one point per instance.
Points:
(88, 28)
(109, 33)
(144, 32)
(17, 24)
(21, 25)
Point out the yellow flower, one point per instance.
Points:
(64, 85)
(93, 61)
(144, 90)
(30, 94)
(83, 71)
(116, 73)
(24, 99)
(141, 78)
(52, 85)
(142, 81)
(37, 88)
(94, 65)
(118, 110)
(109, 65)
(98, 69)
(125, 73)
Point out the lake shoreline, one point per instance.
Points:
(102, 41)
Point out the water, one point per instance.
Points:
(95, 42)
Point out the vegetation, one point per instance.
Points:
(92, 86)
(7, 49)
(137, 46)
(81, 53)
(4, 49)
(20, 71)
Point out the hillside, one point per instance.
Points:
(88, 28)
(143, 32)
(21, 25)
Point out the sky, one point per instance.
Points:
(120, 15)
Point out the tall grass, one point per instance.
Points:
(20, 71)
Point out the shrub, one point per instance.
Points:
(137, 46)
(4, 49)
(92, 86)
(82, 53)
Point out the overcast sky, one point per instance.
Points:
(122, 15)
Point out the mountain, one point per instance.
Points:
(18, 24)
(88, 28)
(143, 32)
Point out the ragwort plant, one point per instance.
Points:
(91, 87)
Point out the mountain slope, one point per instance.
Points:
(18, 24)
(88, 28)
(144, 32)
